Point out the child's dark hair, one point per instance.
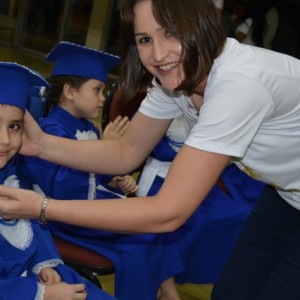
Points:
(56, 88)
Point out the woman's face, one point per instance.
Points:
(159, 52)
(11, 127)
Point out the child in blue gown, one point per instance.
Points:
(30, 265)
(142, 261)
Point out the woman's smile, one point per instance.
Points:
(160, 52)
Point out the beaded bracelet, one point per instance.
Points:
(42, 216)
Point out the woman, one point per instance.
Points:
(242, 104)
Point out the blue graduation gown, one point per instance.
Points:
(142, 261)
(25, 248)
(207, 238)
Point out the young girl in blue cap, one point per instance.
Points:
(78, 79)
(30, 266)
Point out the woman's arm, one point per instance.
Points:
(107, 157)
(191, 176)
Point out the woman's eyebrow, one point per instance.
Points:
(17, 120)
(140, 33)
(145, 33)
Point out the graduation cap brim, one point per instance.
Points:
(71, 59)
(15, 83)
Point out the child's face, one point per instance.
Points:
(11, 125)
(88, 100)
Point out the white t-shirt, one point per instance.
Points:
(251, 112)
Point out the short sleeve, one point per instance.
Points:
(231, 115)
(160, 104)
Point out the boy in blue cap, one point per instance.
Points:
(30, 266)
(78, 78)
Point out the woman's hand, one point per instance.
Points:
(18, 203)
(32, 136)
(49, 276)
(114, 130)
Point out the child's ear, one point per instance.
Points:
(69, 91)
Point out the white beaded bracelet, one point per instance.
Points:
(42, 216)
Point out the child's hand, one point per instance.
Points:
(65, 291)
(49, 276)
(126, 184)
(114, 130)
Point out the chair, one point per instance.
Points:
(85, 262)
(113, 107)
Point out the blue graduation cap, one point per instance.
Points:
(75, 60)
(16, 82)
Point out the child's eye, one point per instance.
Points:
(99, 90)
(15, 126)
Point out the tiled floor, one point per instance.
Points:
(186, 291)
(37, 62)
